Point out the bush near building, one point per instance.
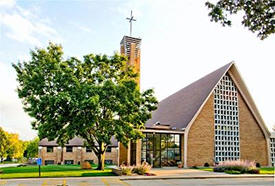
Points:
(237, 167)
(139, 169)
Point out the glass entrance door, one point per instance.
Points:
(161, 149)
(157, 151)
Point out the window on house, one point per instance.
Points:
(109, 149)
(88, 149)
(49, 149)
(49, 162)
(69, 162)
(108, 162)
(272, 150)
(69, 149)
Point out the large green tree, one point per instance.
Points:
(94, 98)
(4, 144)
(31, 150)
(258, 15)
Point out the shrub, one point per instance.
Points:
(232, 172)
(126, 170)
(142, 169)
(1, 171)
(242, 166)
(254, 171)
(206, 164)
(219, 169)
(194, 167)
(86, 165)
(258, 165)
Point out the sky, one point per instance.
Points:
(179, 45)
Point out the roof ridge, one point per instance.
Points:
(179, 108)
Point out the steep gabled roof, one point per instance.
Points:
(179, 109)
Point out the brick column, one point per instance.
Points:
(124, 154)
(138, 152)
(129, 153)
(182, 148)
(58, 155)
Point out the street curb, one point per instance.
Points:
(192, 177)
(124, 178)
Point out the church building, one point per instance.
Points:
(211, 120)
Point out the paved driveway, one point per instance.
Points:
(9, 165)
(117, 182)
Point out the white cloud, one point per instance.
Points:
(25, 26)
(85, 29)
(12, 116)
(7, 3)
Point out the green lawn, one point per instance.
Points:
(264, 170)
(267, 170)
(52, 171)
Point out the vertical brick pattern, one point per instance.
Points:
(182, 149)
(138, 152)
(123, 154)
(253, 144)
(200, 144)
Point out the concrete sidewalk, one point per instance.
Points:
(175, 173)
(161, 174)
(9, 165)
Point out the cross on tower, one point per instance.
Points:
(131, 19)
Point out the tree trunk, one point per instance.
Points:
(101, 161)
(62, 156)
(101, 157)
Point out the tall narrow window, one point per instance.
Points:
(272, 151)
(227, 123)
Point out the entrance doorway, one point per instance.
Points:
(161, 149)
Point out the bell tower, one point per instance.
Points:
(130, 47)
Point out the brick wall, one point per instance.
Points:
(123, 154)
(253, 144)
(48, 155)
(78, 155)
(200, 144)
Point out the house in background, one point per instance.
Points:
(74, 152)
